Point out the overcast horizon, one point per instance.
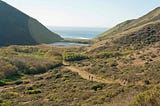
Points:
(83, 13)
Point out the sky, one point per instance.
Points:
(84, 13)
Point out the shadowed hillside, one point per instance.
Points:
(18, 28)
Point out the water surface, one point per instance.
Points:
(69, 44)
(76, 33)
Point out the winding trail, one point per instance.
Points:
(86, 75)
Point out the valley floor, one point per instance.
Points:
(68, 76)
(61, 87)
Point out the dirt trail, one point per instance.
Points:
(82, 73)
(86, 75)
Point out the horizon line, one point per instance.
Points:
(81, 26)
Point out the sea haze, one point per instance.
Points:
(78, 32)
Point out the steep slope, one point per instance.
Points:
(17, 28)
(40, 33)
(131, 33)
(129, 24)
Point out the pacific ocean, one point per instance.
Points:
(78, 32)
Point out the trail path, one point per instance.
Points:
(81, 72)
(86, 75)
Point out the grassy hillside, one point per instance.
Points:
(114, 30)
(129, 24)
(17, 28)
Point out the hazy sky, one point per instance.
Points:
(91, 13)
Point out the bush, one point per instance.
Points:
(113, 63)
(153, 56)
(18, 82)
(9, 95)
(104, 55)
(97, 87)
(33, 65)
(6, 103)
(146, 82)
(72, 56)
(8, 70)
(33, 91)
(2, 83)
(58, 75)
(148, 98)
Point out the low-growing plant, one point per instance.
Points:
(97, 87)
(108, 54)
(153, 56)
(2, 83)
(37, 91)
(148, 98)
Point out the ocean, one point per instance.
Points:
(78, 32)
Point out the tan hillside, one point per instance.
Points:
(129, 24)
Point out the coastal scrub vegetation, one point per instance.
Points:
(17, 61)
(74, 56)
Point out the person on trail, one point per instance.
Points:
(125, 82)
(92, 78)
(89, 77)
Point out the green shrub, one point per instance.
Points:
(58, 75)
(7, 70)
(9, 95)
(73, 56)
(6, 103)
(104, 55)
(148, 98)
(146, 82)
(113, 63)
(97, 87)
(2, 83)
(18, 82)
(33, 65)
(33, 91)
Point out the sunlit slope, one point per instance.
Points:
(129, 24)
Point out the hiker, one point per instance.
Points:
(89, 77)
(125, 82)
(92, 78)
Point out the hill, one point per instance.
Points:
(130, 24)
(17, 28)
(141, 31)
